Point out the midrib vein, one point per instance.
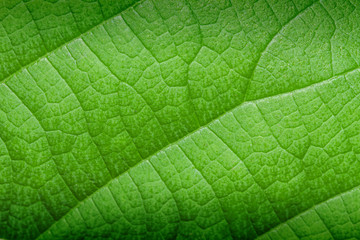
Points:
(188, 134)
(198, 129)
(309, 209)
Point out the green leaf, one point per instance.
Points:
(184, 119)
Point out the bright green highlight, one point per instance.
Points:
(178, 119)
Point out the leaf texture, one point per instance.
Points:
(180, 119)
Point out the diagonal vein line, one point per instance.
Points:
(248, 170)
(82, 108)
(252, 176)
(269, 43)
(36, 25)
(325, 225)
(189, 134)
(44, 131)
(311, 208)
(156, 59)
(60, 46)
(171, 193)
(221, 208)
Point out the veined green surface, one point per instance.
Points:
(177, 119)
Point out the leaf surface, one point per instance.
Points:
(180, 119)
